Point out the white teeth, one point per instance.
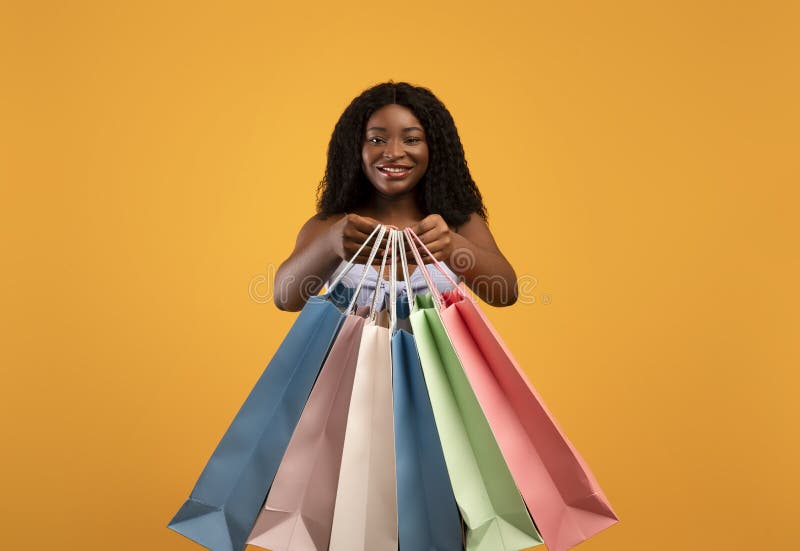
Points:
(387, 169)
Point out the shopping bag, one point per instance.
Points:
(492, 509)
(365, 514)
(559, 489)
(298, 512)
(426, 507)
(495, 516)
(228, 495)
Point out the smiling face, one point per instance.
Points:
(394, 153)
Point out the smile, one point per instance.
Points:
(395, 172)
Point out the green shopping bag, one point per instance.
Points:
(490, 503)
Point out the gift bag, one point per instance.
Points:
(559, 489)
(365, 514)
(426, 507)
(228, 495)
(495, 516)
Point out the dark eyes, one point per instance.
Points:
(409, 140)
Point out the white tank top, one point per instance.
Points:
(366, 295)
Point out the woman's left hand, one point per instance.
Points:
(434, 232)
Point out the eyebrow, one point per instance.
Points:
(406, 129)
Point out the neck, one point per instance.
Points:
(398, 210)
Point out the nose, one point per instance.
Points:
(394, 149)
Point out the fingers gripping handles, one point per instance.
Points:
(380, 230)
(395, 246)
(437, 295)
(391, 247)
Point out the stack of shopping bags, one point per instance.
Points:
(406, 425)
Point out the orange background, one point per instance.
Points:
(638, 159)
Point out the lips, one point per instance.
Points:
(394, 171)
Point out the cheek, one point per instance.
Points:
(425, 159)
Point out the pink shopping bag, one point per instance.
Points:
(564, 498)
(365, 514)
(298, 513)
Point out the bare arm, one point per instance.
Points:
(321, 245)
(473, 254)
(490, 275)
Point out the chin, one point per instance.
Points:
(395, 189)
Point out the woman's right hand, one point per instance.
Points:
(349, 233)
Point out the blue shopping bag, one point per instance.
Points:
(427, 513)
(426, 507)
(227, 498)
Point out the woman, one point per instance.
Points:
(395, 158)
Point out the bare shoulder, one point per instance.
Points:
(477, 231)
(316, 225)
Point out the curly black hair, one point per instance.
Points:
(446, 188)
